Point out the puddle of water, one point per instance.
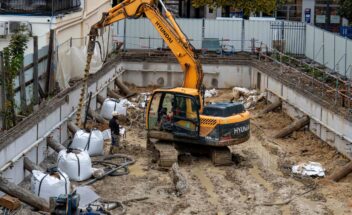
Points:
(137, 169)
(255, 173)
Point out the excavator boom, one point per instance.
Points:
(168, 30)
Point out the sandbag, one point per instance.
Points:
(93, 142)
(111, 105)
(75, 163)
(51, 184)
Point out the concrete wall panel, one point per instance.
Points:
(328, 57)
(26, 140)
(274, 86)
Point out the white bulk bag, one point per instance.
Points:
(93, 142)
(48, 185)
(76, 164)
(111, 105)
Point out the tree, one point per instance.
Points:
(248, 6)
(345, 9)
(13, 57)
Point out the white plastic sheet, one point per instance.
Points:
(71, 64)
(77, 165)
(46, 186)
(210, 93)
(309, 169)
(93, 142)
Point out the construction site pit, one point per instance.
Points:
(259, 181)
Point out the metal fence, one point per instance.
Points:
(331, 89)
(38, 7)
(294, 38)
(140, 34)
(330, 50)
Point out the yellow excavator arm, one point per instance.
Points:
(168, 30)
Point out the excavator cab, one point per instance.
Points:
(174, 112)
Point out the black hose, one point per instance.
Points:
(129, 160)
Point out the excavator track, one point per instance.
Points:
(164, 153)
(221, 156)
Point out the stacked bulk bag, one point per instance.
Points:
(111, 105)
(93, 142)
(52, 184)
(75, 163)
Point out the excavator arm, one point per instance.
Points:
(168, 30)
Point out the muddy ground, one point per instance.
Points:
(258, 182)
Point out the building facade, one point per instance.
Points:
(69, 18)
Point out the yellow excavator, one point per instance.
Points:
(176, 119)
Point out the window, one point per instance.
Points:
(153, 112)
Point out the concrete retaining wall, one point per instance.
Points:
(327, 125)
(324, 123)
(170, 75)
(38, 152)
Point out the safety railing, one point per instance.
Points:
(312, 78)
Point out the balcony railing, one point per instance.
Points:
(38, 7)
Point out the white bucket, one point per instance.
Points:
(76, 164)
(47, 185)
(93, 142)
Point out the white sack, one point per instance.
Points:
(78, 166)
(50, 186)
(111, 105)
(107, 134)
(93, 142)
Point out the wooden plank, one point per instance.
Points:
(271, 107)
(95, 115)
(23, 195)
(114, 95)
(23, 96)
(35, 71)
(73, 128)
(55, 145)
(49, 87)
(341, 173)
(123, 88)
(30, 165)
(100, 99)
(294, 126)
(9, 202)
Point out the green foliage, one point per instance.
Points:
(248, 6)
(13, 57)
(345, 9)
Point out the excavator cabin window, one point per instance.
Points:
(175, 113)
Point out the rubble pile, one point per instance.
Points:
(249, 97)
